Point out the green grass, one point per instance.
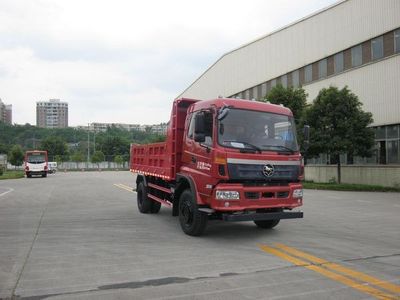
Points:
(9, 174)
(349, 187)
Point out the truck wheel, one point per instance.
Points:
(155, 207)
(28, 175)
(193, 221)
(267, 224)
(44, 175)
(143, 203)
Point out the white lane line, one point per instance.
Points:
(125, 187)
(6, 192)
(364, 201)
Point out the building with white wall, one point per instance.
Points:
(52, 114)
(5, 113)
(354, 43)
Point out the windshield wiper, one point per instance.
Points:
(249, 146)
(281, 147)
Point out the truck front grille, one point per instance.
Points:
(265, 195)
(252, 195)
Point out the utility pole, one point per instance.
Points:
(88, 145)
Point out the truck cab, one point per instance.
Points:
(243, 155)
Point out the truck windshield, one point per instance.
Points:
(36, 158)
(247, 129)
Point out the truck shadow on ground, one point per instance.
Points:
(216, 229)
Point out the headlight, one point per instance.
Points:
(298, 193)
(227, 195)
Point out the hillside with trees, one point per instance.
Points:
(67, 144)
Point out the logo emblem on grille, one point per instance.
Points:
(268, 170)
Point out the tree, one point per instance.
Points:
(59, 159)
(118, 160)
(16, 156)
(54, 146)
(293, 98)
(77, 157)
(339, 125)
(97, 158)
(114, 145)
(4, 148)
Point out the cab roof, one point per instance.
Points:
(237, 103)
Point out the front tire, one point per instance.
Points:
(155, 207)
(143, 202)
(267, 224)
(193, 222)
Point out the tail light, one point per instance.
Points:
(45, 167)
(26, 168)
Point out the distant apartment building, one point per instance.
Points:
(8, 114)
(5, 113)
(52, 114)
(101, 127)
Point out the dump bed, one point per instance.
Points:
(163, 160)
(150, 159)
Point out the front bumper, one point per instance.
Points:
(261, 216)
(257, 197)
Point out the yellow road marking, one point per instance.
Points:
(338, 268)
(363, 287)
(124, 187)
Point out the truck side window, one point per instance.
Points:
(208, 127)
(191, 127)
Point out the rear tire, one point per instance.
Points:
(267, 224)
(193, 222)
(143, 202)
(155, 207)
(28, 175)
(44, 175)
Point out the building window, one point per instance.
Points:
(295, 78)
(246, 94)
(263, 89)
(377, 48)
(393, 152)
(259, 92)
(397, 41)
(308, 73)
(322, 68)
(284, 81)
(356, 56)
(338, 62)
(273, 83)
(393, 132)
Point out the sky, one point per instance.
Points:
(123, 61)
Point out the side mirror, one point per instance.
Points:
(306, 132)
(199, 137)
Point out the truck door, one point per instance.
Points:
(197, 155)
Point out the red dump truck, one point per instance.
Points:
(223, 159)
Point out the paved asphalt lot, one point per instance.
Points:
(80, 236)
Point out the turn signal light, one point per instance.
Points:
(220, 160)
